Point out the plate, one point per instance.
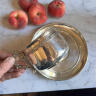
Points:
(77, 55)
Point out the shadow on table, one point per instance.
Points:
(5, 23)
(15, 4)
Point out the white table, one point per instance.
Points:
(79, 13)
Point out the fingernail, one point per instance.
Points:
(10, 60)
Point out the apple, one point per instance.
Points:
(25, 4)
(56, 8)
(18, 19)
(38, 14)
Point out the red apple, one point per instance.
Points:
(25, 4)
(37, 14)
(56, 8)
(18, 19)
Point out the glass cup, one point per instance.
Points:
(48, 49)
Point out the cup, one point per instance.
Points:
(49, 49)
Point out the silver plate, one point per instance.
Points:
(77, 57)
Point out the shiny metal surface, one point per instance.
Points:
(76, 52)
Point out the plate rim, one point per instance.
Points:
(74, 29)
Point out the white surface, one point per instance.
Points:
(79, 13)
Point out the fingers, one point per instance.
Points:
(4, 54)
(26, 51)
(6, 65)
(33, 59)
(31, 56)
(22, 64)
(11, 75)
(1, 61)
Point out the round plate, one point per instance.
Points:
(77, 55)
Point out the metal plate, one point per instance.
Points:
(77, 57)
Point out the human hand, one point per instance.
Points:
(31, 56)
(7, 69)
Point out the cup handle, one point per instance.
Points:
(20, 56)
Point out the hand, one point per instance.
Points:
(7, 69)
(31, 56)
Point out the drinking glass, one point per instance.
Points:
(49, 49)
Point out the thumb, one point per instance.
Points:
(6, 65)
